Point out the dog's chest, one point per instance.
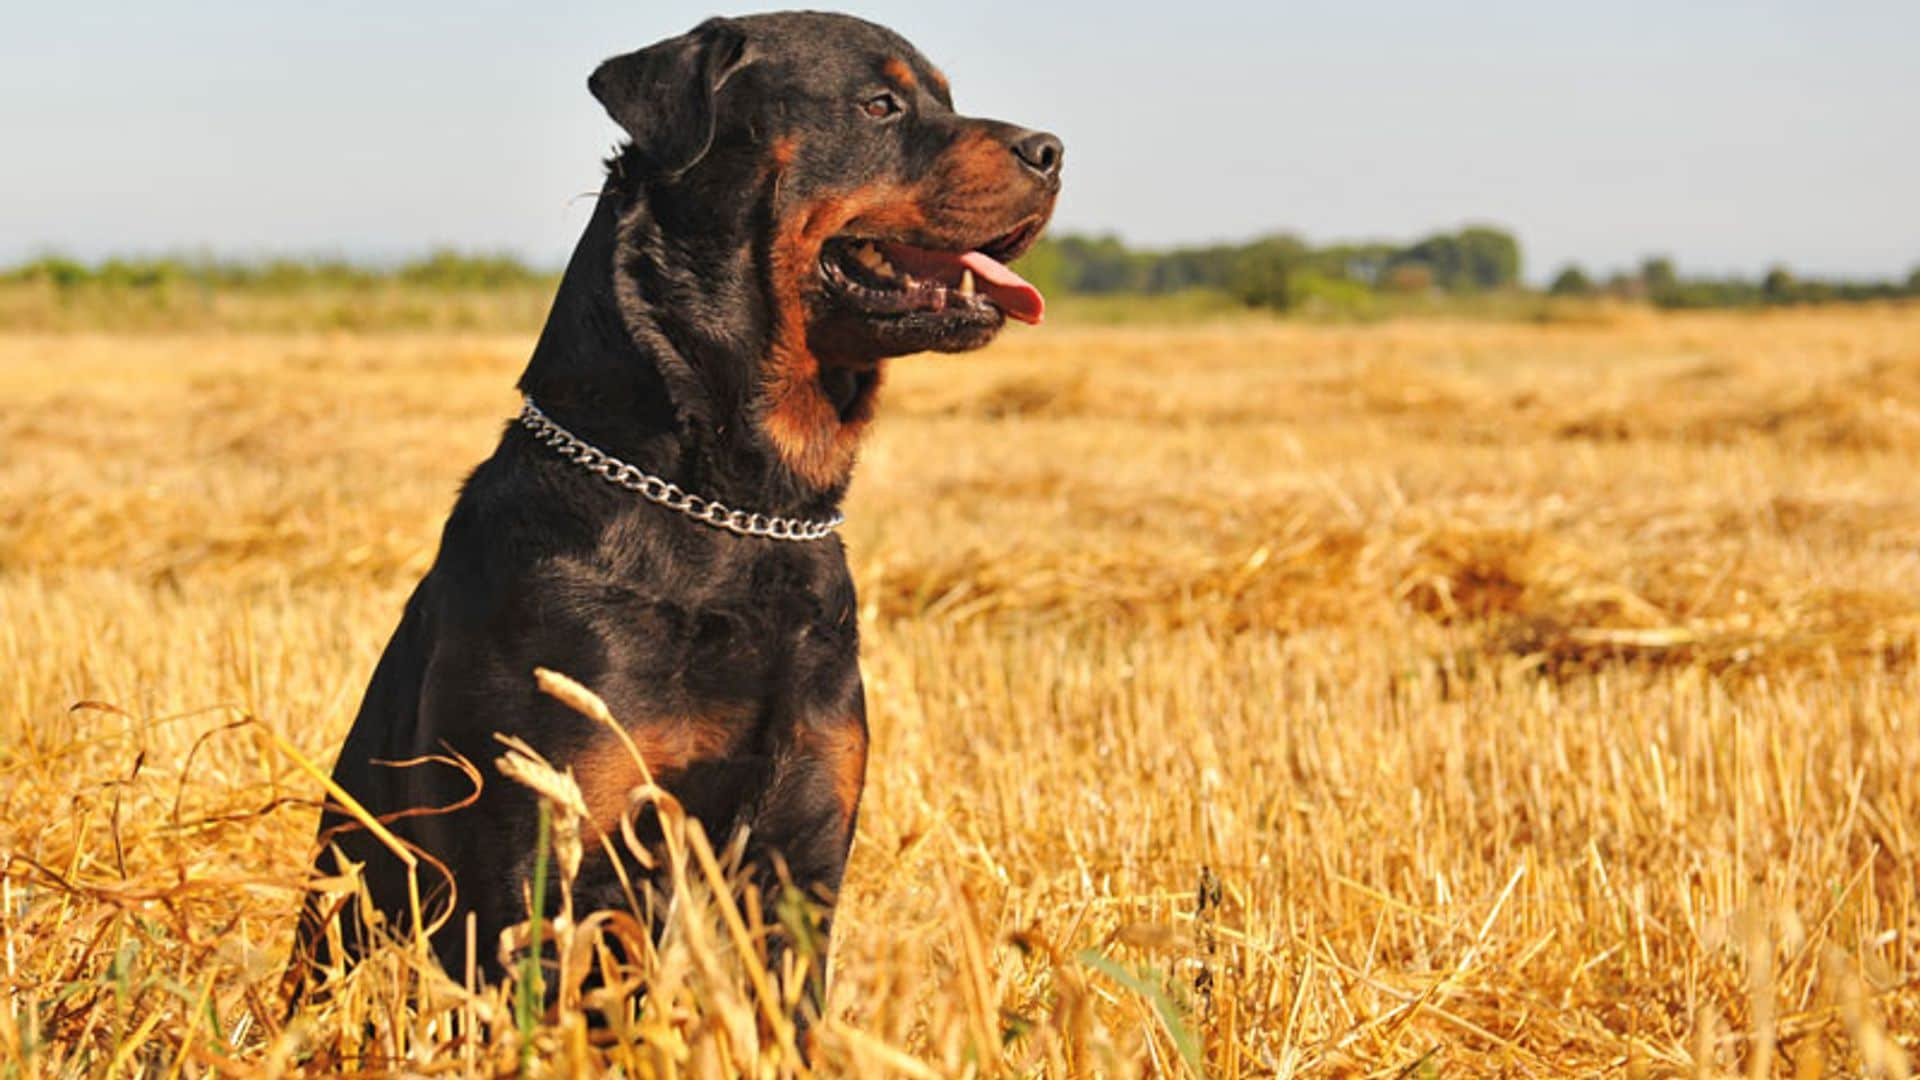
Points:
(734, 626)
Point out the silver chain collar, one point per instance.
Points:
(665, 492)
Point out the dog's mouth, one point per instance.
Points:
(883, 278)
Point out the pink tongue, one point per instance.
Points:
(1015, 294)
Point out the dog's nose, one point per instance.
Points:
(1041, 152)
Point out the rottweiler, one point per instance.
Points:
(796, 202)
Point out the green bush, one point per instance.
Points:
(1571, 281)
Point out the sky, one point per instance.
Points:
(1730, 136)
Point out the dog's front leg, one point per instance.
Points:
(801, 834)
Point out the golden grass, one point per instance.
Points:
(1425, 699)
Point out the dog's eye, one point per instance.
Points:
(881, 107)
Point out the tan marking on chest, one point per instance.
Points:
(839, 754)
(607, 774)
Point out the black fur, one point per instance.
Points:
(691, 336)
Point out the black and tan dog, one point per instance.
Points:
(798, 203)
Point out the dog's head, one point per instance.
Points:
(885, 218)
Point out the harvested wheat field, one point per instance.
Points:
(1427, 699)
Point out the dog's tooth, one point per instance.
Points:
(966, 282)
(868, 255)
(883, 267)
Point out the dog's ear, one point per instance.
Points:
(663, 94)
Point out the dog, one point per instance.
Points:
(796, 203)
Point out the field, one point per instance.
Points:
(1424, 699)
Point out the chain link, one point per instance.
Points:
(665, 492)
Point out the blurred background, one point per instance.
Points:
(1355, 161)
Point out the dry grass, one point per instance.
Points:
(1416, 700)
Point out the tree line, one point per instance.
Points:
(1284, 272)
(1279, 272)
(444, 269)
(1657, 282)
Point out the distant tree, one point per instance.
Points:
(1778, 287)
(1409, 278)
(1913, 282)
(1209, 267)
(1310, 289)
(1658, 278)
(1100, 264)
(1438, 254)
(57, 270)
(1366, 263)
(1263, 274)
(1571, 281)
(1823, 292)
(453, 270)
(138, 273)
(1474, 259)
(1490, 258)
(1625, 286)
